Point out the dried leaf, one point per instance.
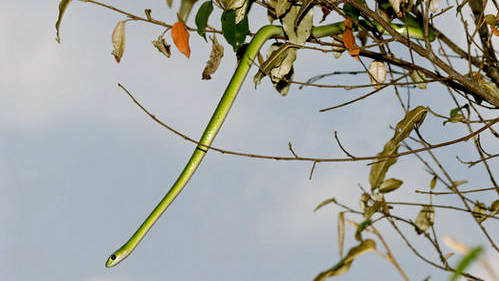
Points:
(349, 40)
(377, 73)
(379, 168)
(180, 37)
(344, 264)
(217, 52)
(279, 66)
(325, 12)
(300, 33)
(169, 3)
(241, 12)
(282, 7)
(364, 201)
(162, 46)
(271, 14)
(118, 39)
(494, 207)
(62, 8)
(480, 211)
(324, 203)
(341, 232)
(418, 77)
(390, 185)
(448, 256)
(433, 182)
(373, 209)
(185, 9)
(424, 219)
(232, 4)
(456, 184)
(396, 6)
(413, 119)
(305, 7)
(434, 5)
(202, 16)
(148, 14)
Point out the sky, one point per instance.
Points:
(81, 166)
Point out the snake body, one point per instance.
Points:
(217, 119)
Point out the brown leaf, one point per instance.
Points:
(118, 39)
(325, 12)
(180, 37)
(62, 8)
(217, 52)
(162, 46)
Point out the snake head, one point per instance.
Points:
(117, 256)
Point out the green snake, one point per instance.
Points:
(216, 121)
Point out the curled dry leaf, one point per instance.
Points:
(380, 167)
(390, 185)
(377, 73)
(480, 211)
(364, 201)
(162, 46)
(424, 219)
(62, 8)
(217, 52)
(180, 37)
(241, 12)
(118, 39)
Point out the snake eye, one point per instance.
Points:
(113, 257)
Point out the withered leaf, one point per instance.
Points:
(162, 46)
(217, 52)
(118, 39)
(300, 33)
(62, 8)
(390, 185)
(341, 232)
(377, 73)
(480, 211)
(424, 219)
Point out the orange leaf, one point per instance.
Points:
(349, 40)
(180, 37)
(494, 30)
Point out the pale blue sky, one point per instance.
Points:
(81, 166)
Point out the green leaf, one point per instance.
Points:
(202, 16)
(454, 111)
(62, 8)
(235, 34)
(465, 262)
